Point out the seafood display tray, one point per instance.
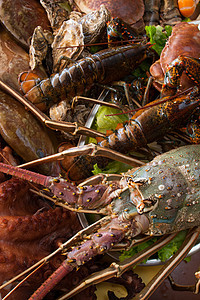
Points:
(82, 216)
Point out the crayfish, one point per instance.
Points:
(159, 198)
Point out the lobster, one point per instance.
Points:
(100, 67)
(159, 198)
(163, 115)
(147, 125)
(140, 130)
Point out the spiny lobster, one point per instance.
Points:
(159, 198)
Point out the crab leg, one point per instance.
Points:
(174, 71)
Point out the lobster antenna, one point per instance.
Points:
(65, 245)
(3, 156)
(100, 44)
(154, 104)
(23, 280)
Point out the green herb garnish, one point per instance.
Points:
(158, 36)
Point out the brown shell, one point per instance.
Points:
(130, 11)
(13, 60)
(184, 40)
(20, 17)
(23, 132)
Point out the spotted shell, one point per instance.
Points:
(172, 181)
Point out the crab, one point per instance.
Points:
(185, 41)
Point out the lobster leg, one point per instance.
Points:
(89, 197)
(92, 100)
(97, 243)
(117, 269)
(197, 286)
(73, 128)
(189, 241)
(101, 178)
(90, 149)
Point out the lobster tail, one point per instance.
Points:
(79, 77)
(162, 114)
(37, 94)
(124, 139)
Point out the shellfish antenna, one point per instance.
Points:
(24, 174)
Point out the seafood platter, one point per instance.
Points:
(99, 146)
